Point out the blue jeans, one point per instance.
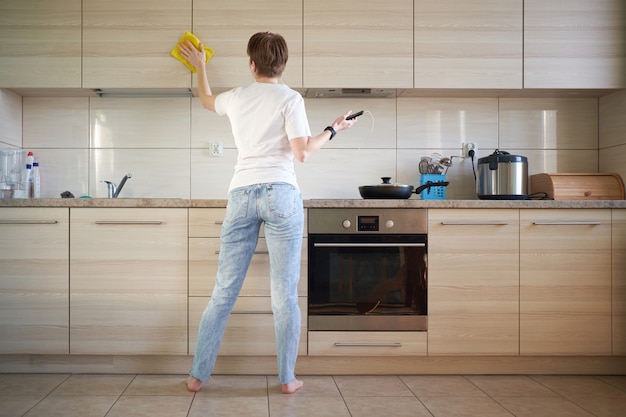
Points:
(279, 206)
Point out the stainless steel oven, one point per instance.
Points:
(367, 269)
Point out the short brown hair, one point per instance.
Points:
(269, 53)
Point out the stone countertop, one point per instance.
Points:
(314, 203)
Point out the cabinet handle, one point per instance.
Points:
(475, 223)
(368, 344)
(256, 252)
(28, 221)
(128, 222)
(219, 222)
(567, 223)
(252, 312)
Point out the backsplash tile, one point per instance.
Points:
(528, 123)
(10, 119)
(164, 143)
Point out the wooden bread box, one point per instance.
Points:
(603, 186)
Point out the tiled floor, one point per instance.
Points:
(53, 395)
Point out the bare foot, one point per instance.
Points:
(292, 387)
(193, 384)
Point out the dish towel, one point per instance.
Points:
(196, 42)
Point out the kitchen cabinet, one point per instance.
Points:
(128, 281)
(34, 265)
(250, 328)
(574, 44)
(226, 27)
(40, 44)
(619, 281)
(126, 43)
(367, 343)
(358, 43)
(473, 282)
(468, 44)
(565, 282)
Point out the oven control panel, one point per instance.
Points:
(390, 221)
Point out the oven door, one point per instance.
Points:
(367, 282)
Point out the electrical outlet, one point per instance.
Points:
(469, 146)
(216, 149)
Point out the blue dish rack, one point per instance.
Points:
(433, 193)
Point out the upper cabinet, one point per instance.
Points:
(574, 44)
(226, 26)
(468, 44)
(126, 43)
(358, 43)
(40, 43)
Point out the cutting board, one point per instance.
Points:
(603, 186)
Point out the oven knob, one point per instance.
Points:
(346, 224)
(389, 224)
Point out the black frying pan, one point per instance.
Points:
(395, 191)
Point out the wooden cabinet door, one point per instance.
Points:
(128, 281)
(473, 282)
(41, 44)
(358, 43)
(565, 282)
(226, 27)
(468, 44)
(34, 272)
(127, 43)
(619, 281)
(574, 44)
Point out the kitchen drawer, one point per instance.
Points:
(250, 328)
(207, 222)
(367, 343)
(203, 255)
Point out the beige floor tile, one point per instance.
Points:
(541, 407)
(158, 385)
(464, 407)
(229, 407)
(94, 385)
(386, 406)
(73, 406)
(235, 386)
(151, 406)
(30, 384)
(16, 405)
(573, 386)
(314, 386)
(372, 386)
(510, 386)
(441, 386)
(616, 381)
(292, 406)
(603, 406)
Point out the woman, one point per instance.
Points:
(270, 127)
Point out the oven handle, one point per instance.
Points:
(368, 245)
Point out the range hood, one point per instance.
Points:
(143, 92)
(350, 93)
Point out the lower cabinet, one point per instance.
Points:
(565, 282)
(128, 281)
(367, 343)
(34, 273)
(619, 281)
(473, 282)
(250, 328)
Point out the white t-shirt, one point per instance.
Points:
(263, 118)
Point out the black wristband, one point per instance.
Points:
(332, 132)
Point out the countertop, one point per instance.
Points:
(314, 203)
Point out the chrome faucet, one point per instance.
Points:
(113, 189)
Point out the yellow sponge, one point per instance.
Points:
(196, 42)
